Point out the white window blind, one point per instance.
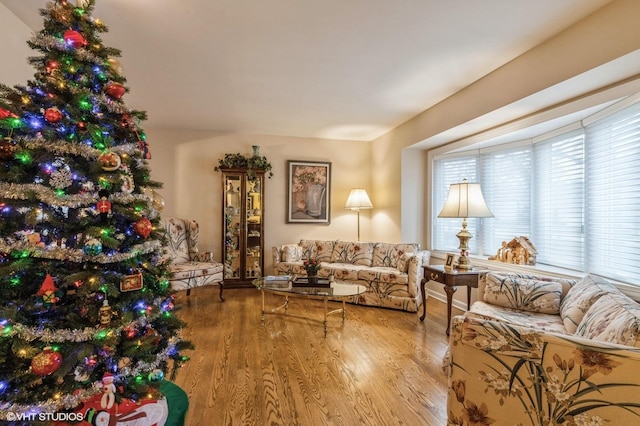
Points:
(506, 186)
(558, 199)
(452, 170)
(612, 205)
(576, 195)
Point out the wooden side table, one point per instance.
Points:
(451, 280)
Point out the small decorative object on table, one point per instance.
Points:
(312, 266)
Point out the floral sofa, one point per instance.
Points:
(390, 272)
(545, 351)
(188, 266)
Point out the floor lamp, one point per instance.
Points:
(358, 200)
(465, 200)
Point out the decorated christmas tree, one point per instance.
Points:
(85, 305)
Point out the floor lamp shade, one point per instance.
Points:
(465, 200)
(358, 200)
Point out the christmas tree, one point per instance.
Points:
(85, 301)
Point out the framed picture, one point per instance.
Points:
(308, 192)
(450, 261)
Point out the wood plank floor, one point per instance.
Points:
(379, 367)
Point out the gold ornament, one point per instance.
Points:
(82, 3)
(157, 200)
(115, 65)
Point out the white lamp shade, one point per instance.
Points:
(465, 200)
(358, 200)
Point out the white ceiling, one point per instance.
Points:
(341, 69)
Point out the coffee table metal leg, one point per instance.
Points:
(262, 316)
(344, 309)
(326, 302)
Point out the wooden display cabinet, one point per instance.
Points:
(243, 226)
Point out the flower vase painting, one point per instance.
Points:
(308, 192)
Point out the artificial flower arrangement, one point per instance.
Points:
(312, 266)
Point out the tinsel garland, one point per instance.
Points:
(48, 42)
(15, 191)
(30, 334)
(77, 255)
(69, 401)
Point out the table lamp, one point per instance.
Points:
(465, 200)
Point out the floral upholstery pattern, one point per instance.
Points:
(388, 254)
(356, 253)
(580, 298)
(317, 249)
(527, 294)
(613, 318)
(503, 374)
(351, 262)
(509, 366)
(292, 253)
(188, 266)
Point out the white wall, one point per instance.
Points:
(184, 161)
(15, 69)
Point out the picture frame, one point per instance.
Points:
(308, 192)
(450, 261)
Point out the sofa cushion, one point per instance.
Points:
(403, 262)
(356, 253)
(580, 298)
(613, 318)
(317, 249)
(342, 271)
(539, 321)
(291, 253)
(388, 254)
(524, 293)
(383, 274)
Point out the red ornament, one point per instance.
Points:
(74, 38)
(46, 362)
(143, 227)
(52, 115)
(7, 149)
(114, 90)
(5, 113)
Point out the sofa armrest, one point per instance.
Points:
(416, 271)
(519, 375)
(276, 253)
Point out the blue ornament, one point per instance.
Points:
(156, 375)
(92, 247)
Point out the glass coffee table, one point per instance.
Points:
(284, 287)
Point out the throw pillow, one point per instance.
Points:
(291, 253)
(580, 298)
(525, 294)
(613, 318)
(403, 262)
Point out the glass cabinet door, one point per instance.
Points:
(253, 254)
(233, 227)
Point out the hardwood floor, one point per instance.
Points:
(381, 367)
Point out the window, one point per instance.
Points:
(575, 193)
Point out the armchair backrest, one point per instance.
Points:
(182, 239)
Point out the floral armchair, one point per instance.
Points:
(506, 374)
(189, 267)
